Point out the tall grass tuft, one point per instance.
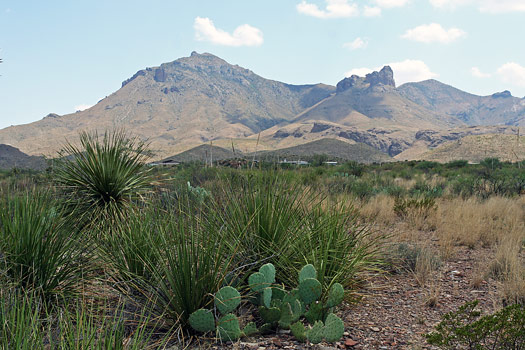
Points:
(171, 263)
(102, 177)
(38, 249)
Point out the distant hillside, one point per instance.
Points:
(475, 148)
(11, 157)
(334, 149)
(497, 109)
(201, 98)
(203, 153)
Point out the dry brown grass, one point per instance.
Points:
(379, 208)
(471, 222)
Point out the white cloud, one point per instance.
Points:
(334, 9)
(433, 32)
(478, 73)
(82, 107)
(391, 3)
(372, 11)
(512, 73)
(449, 4)
(358, 43)
(502, 6)
(244, 35)
(404, 71)
(488, 6)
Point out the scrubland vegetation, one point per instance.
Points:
(101, 251)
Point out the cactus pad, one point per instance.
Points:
(333, 328)
(266, 297)
(202, 320)
(286, 316)
(308, 271)
(227, 299)
(336, 295)
(250, 329)
(316, 333)
(315, 312)
(228, 328)
(278, 293)
(310, 290)
(298, 331)
(268, 270)
(257, 282)
(270, 315)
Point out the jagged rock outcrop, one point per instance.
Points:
(384, 78)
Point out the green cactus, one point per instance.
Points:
(268, 270)
(287, 316)
(228, 328)
(270, 315)
(202, 320)
(310, 290)
(336, 295)
(266, 328)
(308, 271)
(298, 331)
(333, 328)
(257, 282)
(316, 333)
(315, 312)
(227, 299)
(266, 297)
(250, 329)
(278, 293)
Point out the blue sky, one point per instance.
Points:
(60, 56)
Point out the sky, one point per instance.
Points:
(63, 56)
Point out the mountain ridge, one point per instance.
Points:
(201, 98)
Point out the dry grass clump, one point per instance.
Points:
(509, 267)
(471, 221)
(379, 208)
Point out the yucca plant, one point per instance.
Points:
(171, 262)
(38, 249)
(102, 177)
(263, 214)
(339, 247)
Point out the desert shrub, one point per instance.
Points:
(102, 177)
(405, 257)
(170, 262)
(38, 248)
(420, 207)
(336, 244)
(467, 329)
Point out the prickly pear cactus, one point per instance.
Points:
(333, 328)
(249, 329)
(308, 271)
(257, 282)
(316, 333)
(268, 270)
(227, 299)
(298, 331)
(228, 328)
(202, 320)
(336, 295)
(270, 315)
(310, 290)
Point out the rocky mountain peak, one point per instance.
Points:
(503, 94)
(383, 78)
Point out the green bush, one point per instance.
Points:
(38, 249)
(467, 329)
(102, 178)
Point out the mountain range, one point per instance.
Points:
(202, 98)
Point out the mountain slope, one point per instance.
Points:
(179, 104)
(498, 109)
(335, 149)
(11, 157)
